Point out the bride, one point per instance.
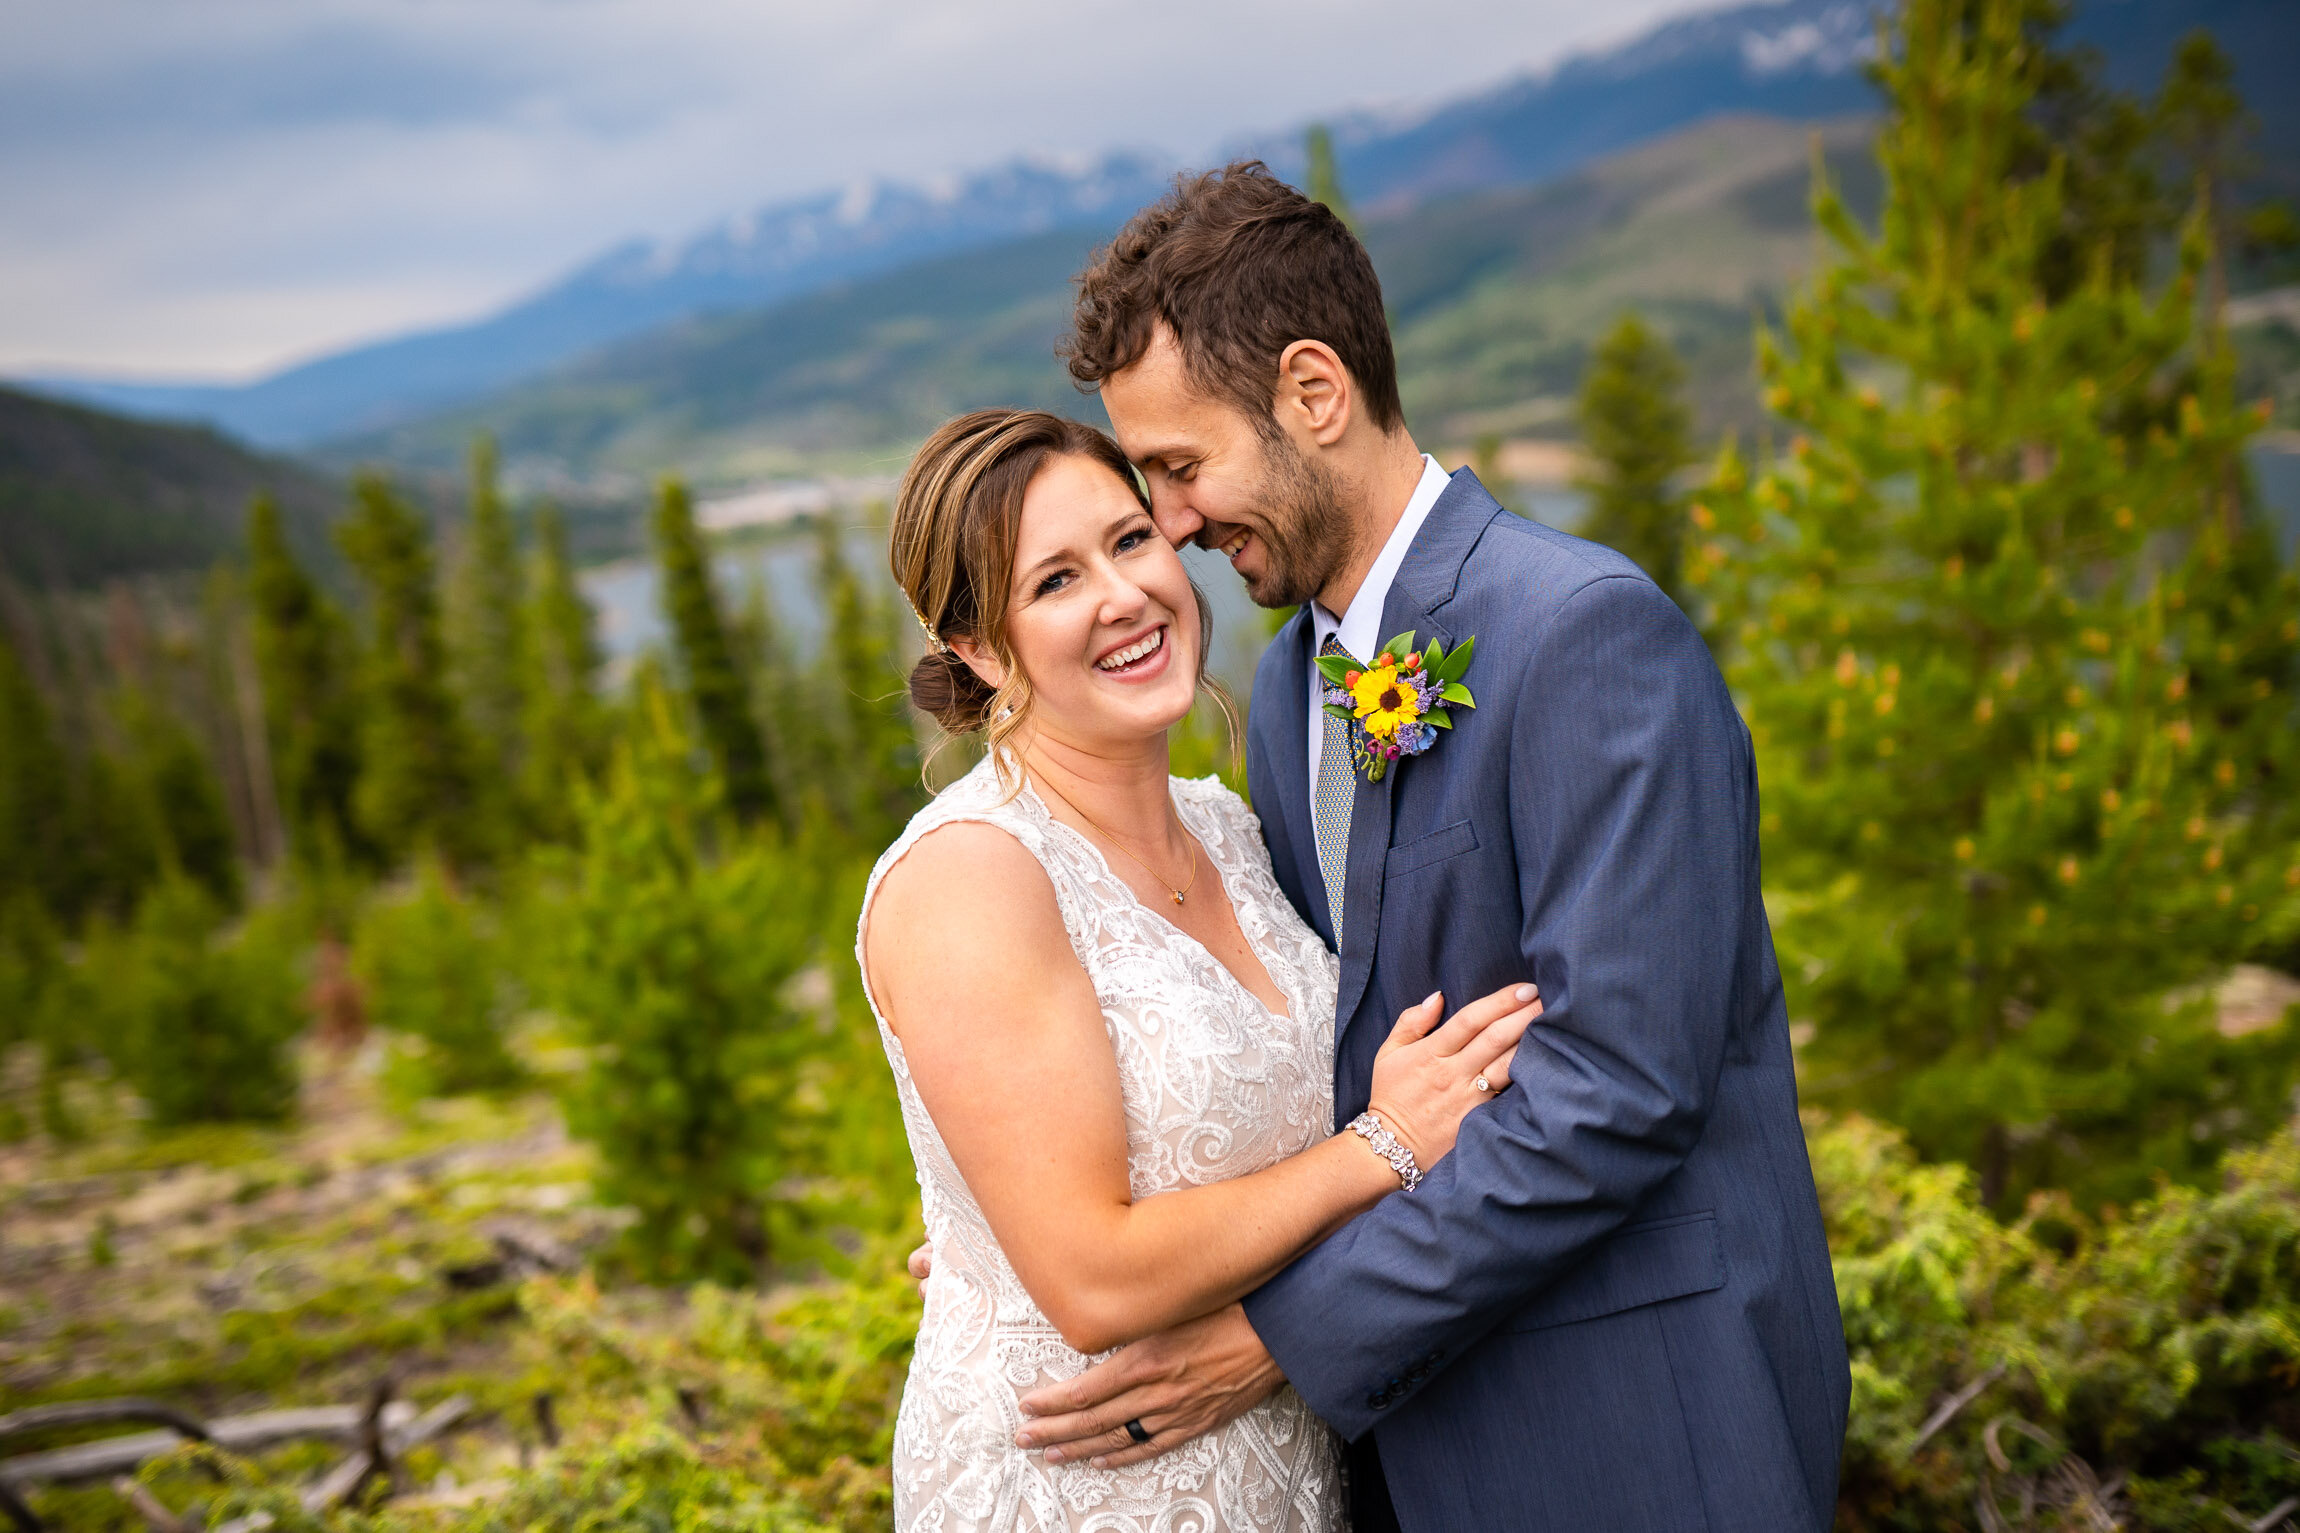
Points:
(1112, 1036)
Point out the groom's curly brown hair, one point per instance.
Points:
(1239, 266)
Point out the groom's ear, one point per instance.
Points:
(1315, 392)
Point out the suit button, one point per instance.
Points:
(1417, 1373)
(1379, 1399)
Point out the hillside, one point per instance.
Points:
(1795, 58)
(87, 497)
(823, 381)
(1496, 297)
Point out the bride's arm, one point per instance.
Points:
(1005, 1040)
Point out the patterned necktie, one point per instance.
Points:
(1330, 805)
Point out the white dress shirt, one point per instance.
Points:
(1359, 627)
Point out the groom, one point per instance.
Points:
(1610, 1308)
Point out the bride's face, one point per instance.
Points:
(1100, 616)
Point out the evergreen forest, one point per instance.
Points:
(436, 1091)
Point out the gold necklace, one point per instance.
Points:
(1179, 894)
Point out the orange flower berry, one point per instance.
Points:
(1350, 678)
(1413, 659)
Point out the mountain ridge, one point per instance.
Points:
(1496, 298)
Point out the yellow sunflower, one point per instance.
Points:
(1383, 702)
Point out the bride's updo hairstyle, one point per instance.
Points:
(957, 519)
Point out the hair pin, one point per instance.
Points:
(934, 640)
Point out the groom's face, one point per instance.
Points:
(1255, 496)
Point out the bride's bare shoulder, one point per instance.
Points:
(964, 897)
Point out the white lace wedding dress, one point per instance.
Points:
(1215, 1086)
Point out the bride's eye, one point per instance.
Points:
(1129, 541)
(1050, 584)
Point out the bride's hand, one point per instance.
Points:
(1425, 1082)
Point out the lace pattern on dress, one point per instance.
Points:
(1215, 1086)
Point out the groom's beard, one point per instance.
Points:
(1307, 537)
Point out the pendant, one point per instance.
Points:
(1177, 896)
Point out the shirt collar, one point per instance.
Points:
(1358, 626)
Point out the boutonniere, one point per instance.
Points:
(1396, 705)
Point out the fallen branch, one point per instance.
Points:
(449, 1500)
(371, 1457)
(148, 1506)
(84, 1413)
(2268, 1519)
(341, 1483)
(236, 1434)
(1947, 1411)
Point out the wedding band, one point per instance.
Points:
(1482, 1084)
(1134, 1430)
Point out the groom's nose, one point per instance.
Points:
(1177, 522)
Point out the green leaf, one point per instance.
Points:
(1433, 656)
(1339, 712)
(1454, 692)
(1335, 667)
(1437, 721)
(1457, 659)
(1401, 646)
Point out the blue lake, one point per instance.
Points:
(631, 618)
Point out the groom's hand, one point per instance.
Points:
(1179, 1384)
(920, 1264)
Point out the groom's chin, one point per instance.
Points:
(1266, 592)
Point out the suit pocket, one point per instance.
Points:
(1641, 1264)
(1437, 846)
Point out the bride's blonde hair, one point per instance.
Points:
(957, 518)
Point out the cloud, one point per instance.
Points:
(222, 187)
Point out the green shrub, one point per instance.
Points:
(198, 1023)
(2153, 1353)
(788, 1401)
(431, 963)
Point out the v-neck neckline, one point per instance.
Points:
(1221, 877)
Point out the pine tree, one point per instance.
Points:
(1323, 175)
(2027, 748)
(308, 673)
(680, 938)
(566, 724)
(197, 1023)
(715, 686)
(179, 800)
(2101, 142)
(41, 857)
(2201, 115)
(486, 631)
(1638, 435)
(876, 782)
(416, 786)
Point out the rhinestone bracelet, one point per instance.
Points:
(1371, 1129)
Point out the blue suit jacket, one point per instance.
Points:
(1611, 1307)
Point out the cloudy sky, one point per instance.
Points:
(217, 187)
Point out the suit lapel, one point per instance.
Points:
(1425, 582)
